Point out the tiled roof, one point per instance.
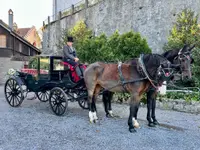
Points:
(23, 31)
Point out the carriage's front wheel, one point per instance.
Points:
(13, 92)
(58, 101)
(43, 96)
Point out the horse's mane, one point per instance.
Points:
(171, 54)
(152, 62)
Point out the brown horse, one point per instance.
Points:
(135, 78)
(180, 57)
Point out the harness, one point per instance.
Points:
(145, 72)
(141, 69)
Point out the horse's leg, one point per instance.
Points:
(91, 108)
(107, 97)
(96, 92)
(153, 115)
(109, 104)
(105, 102)
(149, 107)
(134, 104)
(94, 112)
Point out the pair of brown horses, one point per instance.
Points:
(135, 76)
(180, 57)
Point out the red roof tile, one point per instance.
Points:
(23, 31)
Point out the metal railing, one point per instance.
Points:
(92, 2)
(79, 6)
(82, 4)
(66, 12)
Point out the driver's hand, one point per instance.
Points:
(76, 59)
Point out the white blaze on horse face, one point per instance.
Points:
(91, 116)
(135, 123)
(110, 113)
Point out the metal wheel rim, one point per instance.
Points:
(13, 93)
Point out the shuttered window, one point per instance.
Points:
(2, 41)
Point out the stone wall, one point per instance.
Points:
(5, 64)
(152, 18)
(179, 105)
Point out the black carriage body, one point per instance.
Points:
(45, 82)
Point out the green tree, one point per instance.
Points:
(187, 31)
(107, 49)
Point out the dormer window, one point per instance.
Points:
(2, 41)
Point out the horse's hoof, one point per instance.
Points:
(155, 122)
(151, 124)
(132, 130)
(109, 116)
(96, 121)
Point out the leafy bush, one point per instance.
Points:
(180, 95)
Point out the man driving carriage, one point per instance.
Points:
(70, 56)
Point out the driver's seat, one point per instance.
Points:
(74, 77)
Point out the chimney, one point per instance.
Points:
(10, 18)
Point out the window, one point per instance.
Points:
(57, 64)
(29, 51)
(2, 41)
(20, 47)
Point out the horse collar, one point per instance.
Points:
(140, 60)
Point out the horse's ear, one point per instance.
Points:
(192, 47)
(183, 49)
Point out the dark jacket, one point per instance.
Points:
(69, 53)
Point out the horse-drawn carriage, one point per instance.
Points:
(52, 80)
(136, 76)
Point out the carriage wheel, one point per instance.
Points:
(13, 93)
(83, 103)
(58, 101)
(43, 96)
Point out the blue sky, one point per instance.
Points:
(26, 12)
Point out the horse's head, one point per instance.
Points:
(185, 60)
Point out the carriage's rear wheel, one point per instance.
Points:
(43, 96)
(83, 103)
(13, 92)
(58, 101)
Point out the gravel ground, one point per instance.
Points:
(34, 126)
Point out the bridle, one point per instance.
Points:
(181, 56)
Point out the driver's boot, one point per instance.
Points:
(79, 72)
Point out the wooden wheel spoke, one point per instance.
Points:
(54, 98)
(10, 87)
(17, 99)
(9, 100)
(12, 101)
(62, 106)
(56, 108)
